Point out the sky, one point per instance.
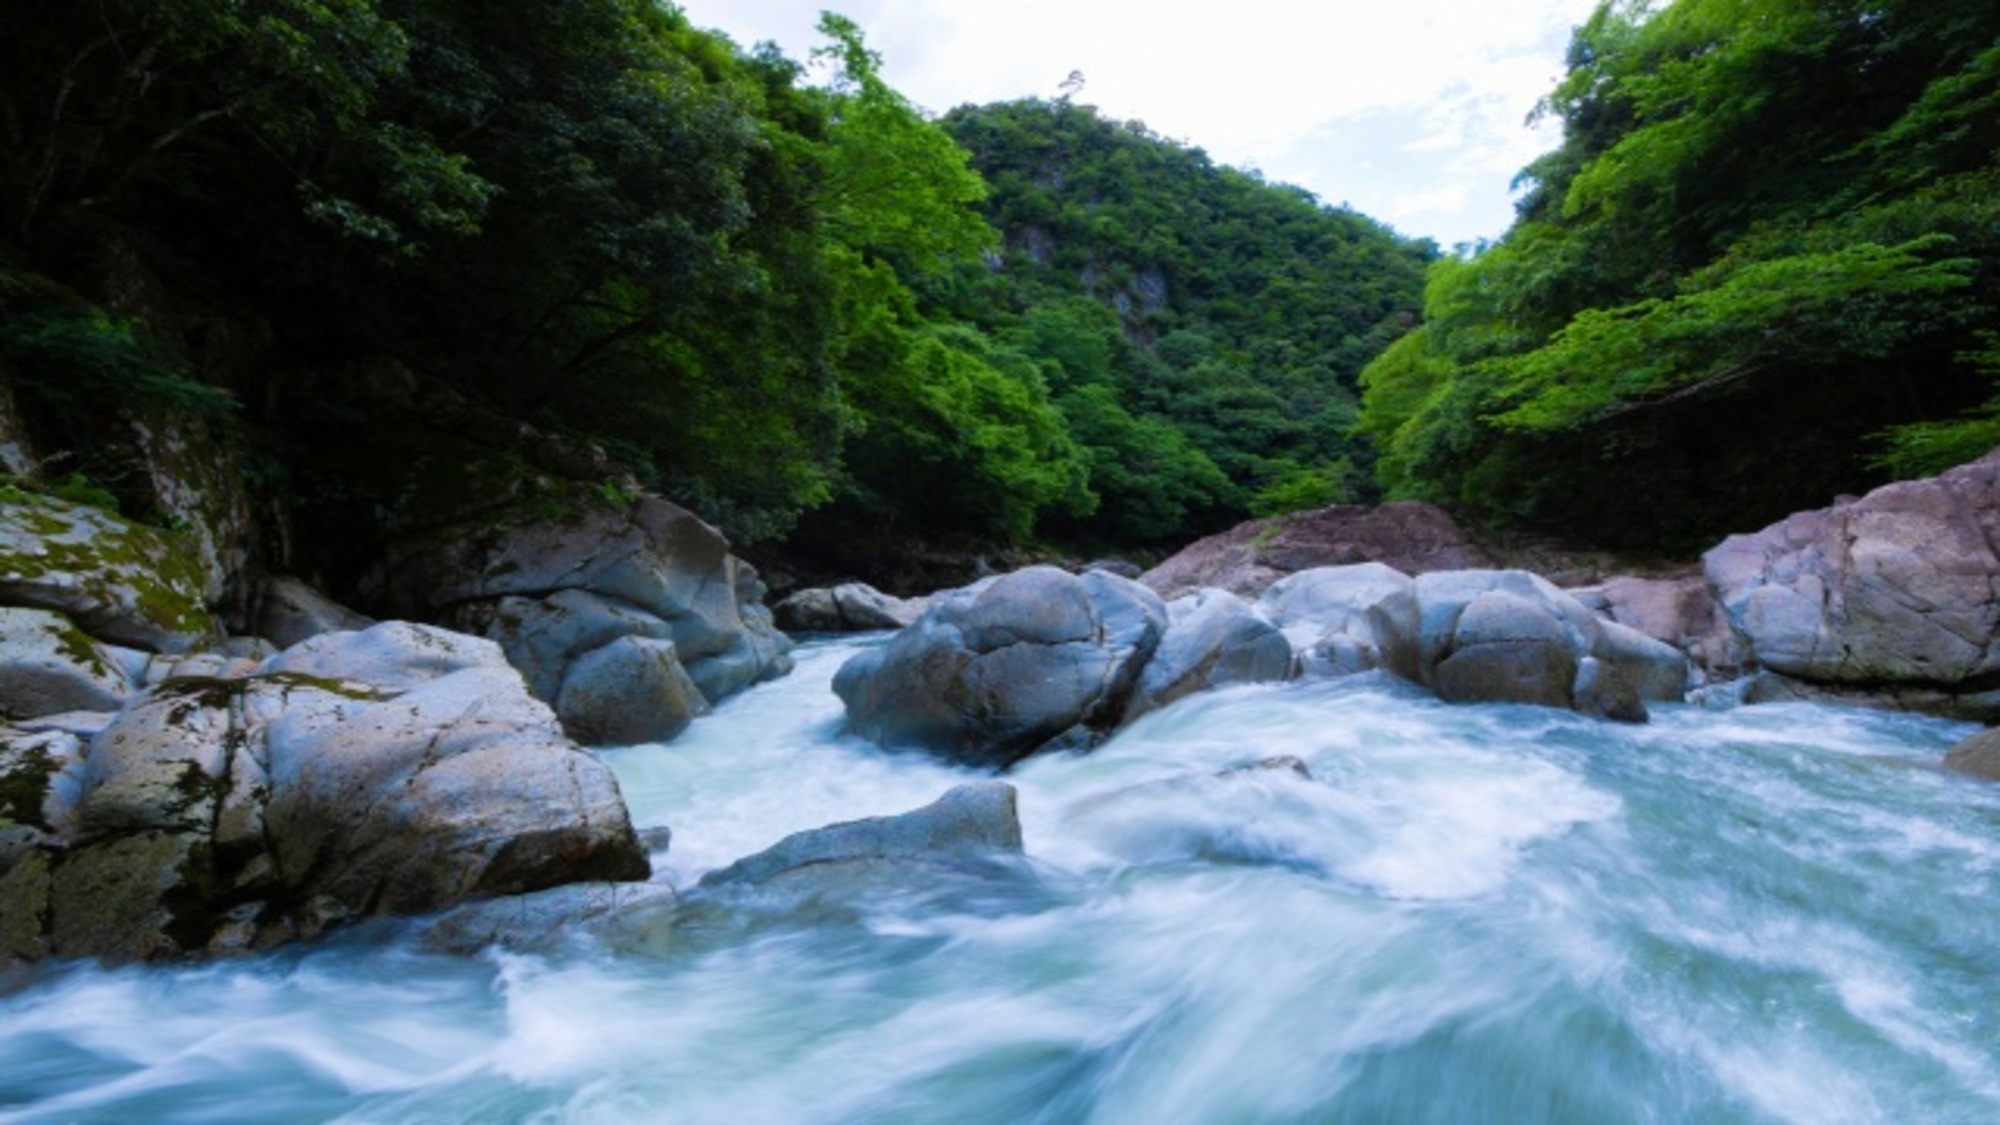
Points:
(1411, 111)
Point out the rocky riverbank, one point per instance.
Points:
(168, 789)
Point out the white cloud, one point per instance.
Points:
(1254, 82)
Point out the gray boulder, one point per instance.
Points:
(1003, 668)
(851, 607)
(552, 589)
(1347, 619)
(117, 580)
(1503, 648)
(393, 656)
(610, 669)
(600, 688)
(1507, 636)
(49, 666)
(194, 468)
(1213, 638)
(289, 611)
(1891, 594)
(462, 787)
(971, 822)
(400, 769)
(1681, 611)
(39, 781)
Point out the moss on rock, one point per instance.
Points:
(119, 580)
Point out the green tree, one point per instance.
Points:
(1771, 230)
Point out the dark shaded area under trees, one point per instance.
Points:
(420, 254)
(315, 221)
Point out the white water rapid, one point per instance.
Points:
(1506, 914)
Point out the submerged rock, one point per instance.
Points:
(617, 916)
(1978, 756)
(970, 822)
(959, 852)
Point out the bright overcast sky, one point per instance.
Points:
(1411, 111)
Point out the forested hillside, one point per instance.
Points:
(1763, 267)
(1201, 328)
(375, 238)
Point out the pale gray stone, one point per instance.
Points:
(628, 691)
(117, 580)
(1213, 638)
(48, 666)
(1007, 666)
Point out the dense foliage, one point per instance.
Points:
(765, 291)
(1763, 266)
(1201, 329)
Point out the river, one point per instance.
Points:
(1486, 913)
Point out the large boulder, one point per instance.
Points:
(1003, 668)
(1410, 536)
(193, 465)
(595, 704)
(117, 580)
(1347, 619)
(1680, 610)
(1474, 636)
(1213, 638)
(1891, 595)
(611, 670)
(1507, 636)
(553, 589)
(49, 666)
(401, 769)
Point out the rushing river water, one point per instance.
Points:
(1466, 914)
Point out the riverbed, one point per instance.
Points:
(1454, 914)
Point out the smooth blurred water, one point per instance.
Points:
(1467, 914)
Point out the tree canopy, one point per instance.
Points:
(1763, 266)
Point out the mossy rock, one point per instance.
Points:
(120, 581)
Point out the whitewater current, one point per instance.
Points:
(1484, 913)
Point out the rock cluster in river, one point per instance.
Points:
(395, 770)
(628, 618)
(166, 790)
(1042, 659)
